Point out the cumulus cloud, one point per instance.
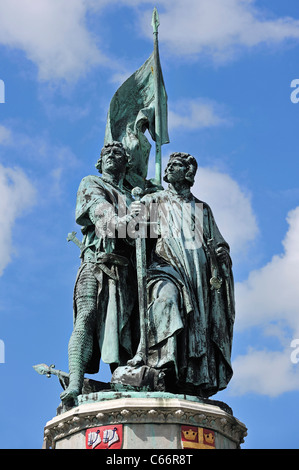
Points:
(53, 34)
(229, 202)
(269, 300)
(219, 28)
(271, 293)
(265, 372)
(17, 195)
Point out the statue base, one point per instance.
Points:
(144, 420)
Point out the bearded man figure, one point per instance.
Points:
(105, 289)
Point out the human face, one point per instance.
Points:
(176, 171)
(113, 160)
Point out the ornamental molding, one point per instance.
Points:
(140, 411)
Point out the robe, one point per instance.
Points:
(191, 326)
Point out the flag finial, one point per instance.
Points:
(155, 20)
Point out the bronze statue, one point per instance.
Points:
(157, 306)
(105, 292)
(190, 311)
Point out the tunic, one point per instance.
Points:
(98, 204)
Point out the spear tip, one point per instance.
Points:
(155, 20)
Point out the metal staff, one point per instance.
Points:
(157, 81)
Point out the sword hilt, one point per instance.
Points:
(72, 238)
(137, 193)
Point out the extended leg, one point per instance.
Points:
(81, 341)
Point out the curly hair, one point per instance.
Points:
(190, 163)
(98, 165)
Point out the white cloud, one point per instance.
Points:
(269, 300)
(53, 35)
(271, 292)
(17, 195)
(264, 372)
(229, 203)
(195, 114)
(219, 28)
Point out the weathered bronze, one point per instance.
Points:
(140, 104)
(154, 295)
(190, 290)
(105, 289)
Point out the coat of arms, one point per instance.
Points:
(104, 437)
(197, 438)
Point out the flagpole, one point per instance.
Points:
(157, 81)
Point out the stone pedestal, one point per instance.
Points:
(154, 420)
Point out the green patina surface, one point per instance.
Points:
(159, 310)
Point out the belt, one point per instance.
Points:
(101, 258)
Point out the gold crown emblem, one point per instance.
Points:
(190, 435)
(209, 437)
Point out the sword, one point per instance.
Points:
(141, 283)
(43, 369)
(89, 385)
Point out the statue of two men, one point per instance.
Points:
(190, 291)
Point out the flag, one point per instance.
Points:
(132, 111)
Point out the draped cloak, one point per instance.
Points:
(112, 337)
(195, 332)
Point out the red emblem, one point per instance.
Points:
(197, 438)
(104, 437)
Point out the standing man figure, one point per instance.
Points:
(105, 288)
(190, 288)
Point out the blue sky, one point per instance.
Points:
(228, 67)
